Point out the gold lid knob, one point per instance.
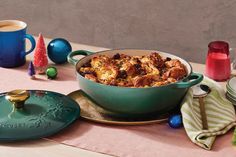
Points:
(18, 97)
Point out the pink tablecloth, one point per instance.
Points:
(149, 140)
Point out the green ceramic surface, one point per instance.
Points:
(43, 114)
(135, 101)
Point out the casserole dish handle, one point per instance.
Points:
(73, 61)
(191, 80)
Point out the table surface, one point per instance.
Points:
(44, 147)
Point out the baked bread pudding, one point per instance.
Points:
(133, 71)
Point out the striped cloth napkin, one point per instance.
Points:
(220, 115)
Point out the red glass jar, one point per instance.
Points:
(218, 61)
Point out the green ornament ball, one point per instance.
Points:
(51, 72)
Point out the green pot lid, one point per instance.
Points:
(34, 114)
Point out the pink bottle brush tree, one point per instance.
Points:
(40, 56)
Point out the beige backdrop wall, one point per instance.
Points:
(182, 27)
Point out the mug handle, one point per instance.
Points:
(31, 39)
(73, 61)
(191, 80)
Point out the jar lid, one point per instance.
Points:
(219, 46)
(31, 114)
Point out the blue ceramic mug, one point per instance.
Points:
(12, 43)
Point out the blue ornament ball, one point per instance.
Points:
(58, 49)
(175, 121)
